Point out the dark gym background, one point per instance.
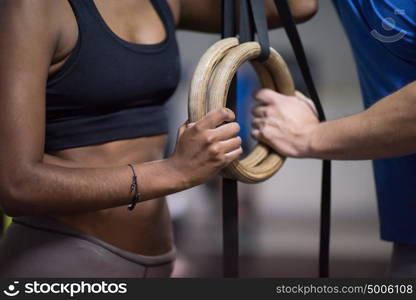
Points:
(279, 223)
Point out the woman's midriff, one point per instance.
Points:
(145, 230)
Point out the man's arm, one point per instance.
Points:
(386, 129)
(205, 15)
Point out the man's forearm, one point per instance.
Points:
(387, 129)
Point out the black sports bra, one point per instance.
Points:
(110, 89)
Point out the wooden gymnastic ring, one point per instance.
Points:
(209, 90)
(202, 75)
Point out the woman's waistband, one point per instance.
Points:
(49, 224)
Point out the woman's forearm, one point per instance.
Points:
(387, 129)
(50, 186)
(50, 189)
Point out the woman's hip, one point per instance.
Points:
(39, 246)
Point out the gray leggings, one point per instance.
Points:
(39, 246)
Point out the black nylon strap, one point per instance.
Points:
(228, 19)
(253, 16)
(292, 32)
(247, 29)
(293, 35)
(229, 187)
(253, 21)
(230, 228)
(260, 23)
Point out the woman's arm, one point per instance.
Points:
(205, 15)
(386, 129)
(30, 32)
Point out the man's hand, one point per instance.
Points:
(284, 123)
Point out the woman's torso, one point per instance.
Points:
(147, 229)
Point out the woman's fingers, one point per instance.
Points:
(233, 155)
(182, 129)
(215, 118)
(230, 145)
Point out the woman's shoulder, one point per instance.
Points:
(30, 8)
(34, 12)
(34, 22)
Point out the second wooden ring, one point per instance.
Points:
(209, 90)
